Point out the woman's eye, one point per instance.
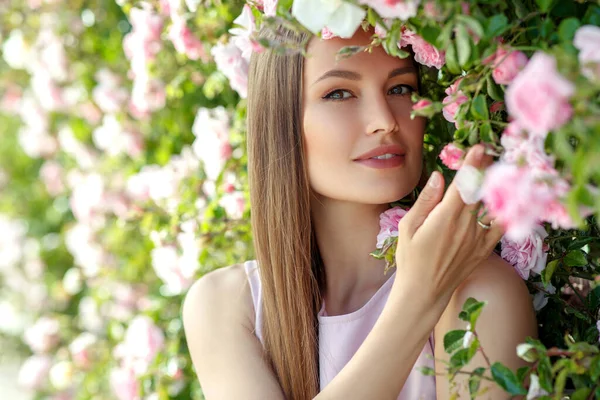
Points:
(401, 90)
(339, 94)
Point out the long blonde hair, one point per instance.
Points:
(291, 270)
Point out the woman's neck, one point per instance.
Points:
(346, 234)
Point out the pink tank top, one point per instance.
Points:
(340, 336)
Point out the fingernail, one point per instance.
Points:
(479, 153)
(434, 181)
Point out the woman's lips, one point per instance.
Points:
(393, 162)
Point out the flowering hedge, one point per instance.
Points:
(122, 170)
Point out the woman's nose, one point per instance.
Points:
(380, 116)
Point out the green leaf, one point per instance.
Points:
(479, 108)
(581, 394)
(461, 134)
(507, 379)
(520, 9)
(522, 374)
(549, 271)
(460, 358)
(561, 380)
(567, 28)
(431, 34)
(463, 45)
(471, 311)
(487, 133)
(544, 5)
(472, 24)
(595, 368)
(575, 258)
(453, 340)
(496, 25)
(493, 90)
(451, 59)
(475, 380)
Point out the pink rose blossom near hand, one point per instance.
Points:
(529, 255)
(452, 156)
(425, 53)
(507, 65)
(388, 224)
(538, 98)
(514, 199)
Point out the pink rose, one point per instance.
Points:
(527, 255)
(402, 9)
(514, 199)
(454, 99)
(587, 40)
(452, 156)
(507, 65)
(184, 40)
(538, 98)
(425, 53)
(388, 224)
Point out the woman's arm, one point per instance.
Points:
(218, 317)
(506, 320)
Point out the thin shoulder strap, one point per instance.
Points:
(251, 268)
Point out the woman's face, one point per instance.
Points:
(351, 107)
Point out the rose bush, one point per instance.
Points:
(123, 179)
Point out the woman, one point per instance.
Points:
(315, 316)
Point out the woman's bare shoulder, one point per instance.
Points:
(222, 293)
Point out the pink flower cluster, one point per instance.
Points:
(181, 36)
(141, 46)
(143, 341)
(425, 53)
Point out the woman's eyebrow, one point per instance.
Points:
(355, 76)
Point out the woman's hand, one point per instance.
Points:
(439, 240)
